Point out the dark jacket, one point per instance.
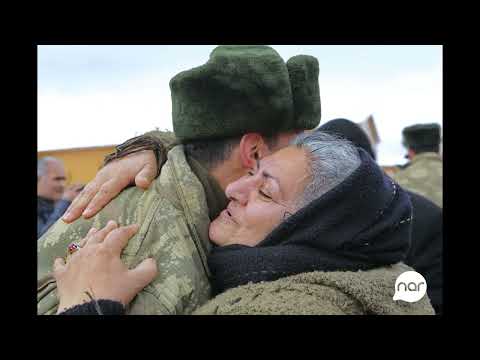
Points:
(426, 249)
(107, 307)
(48, 212)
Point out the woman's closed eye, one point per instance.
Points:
(265, 195)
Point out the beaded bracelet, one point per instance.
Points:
(140, 143)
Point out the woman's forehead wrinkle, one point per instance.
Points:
(270, 176)
(275, 165)
(272, 164)
(277, 181)
(266, 174)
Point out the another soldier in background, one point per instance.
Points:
(424, 172)
(52, 197)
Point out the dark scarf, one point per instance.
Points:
(363, 223)
(45, 207)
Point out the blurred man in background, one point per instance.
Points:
(424, 173)
(52, 196)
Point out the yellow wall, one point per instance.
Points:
(81, 164)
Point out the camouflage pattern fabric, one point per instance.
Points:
(423, 176)
(173, 219)
(320, 293)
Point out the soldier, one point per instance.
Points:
(240, 106)
(424, 172)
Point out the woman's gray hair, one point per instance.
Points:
(331, 160)
(42, 165)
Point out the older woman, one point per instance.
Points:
(315, 228)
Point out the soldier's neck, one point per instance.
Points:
(227, 173)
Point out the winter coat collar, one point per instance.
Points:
(320, 293)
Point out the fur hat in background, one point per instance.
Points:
(422, 137)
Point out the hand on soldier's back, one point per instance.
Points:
(97, 268)
(139, 168)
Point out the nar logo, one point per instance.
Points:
(410, 286)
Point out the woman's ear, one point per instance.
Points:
(252, 148)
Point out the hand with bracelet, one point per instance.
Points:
(94, 269)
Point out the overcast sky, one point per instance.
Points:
(93, 95)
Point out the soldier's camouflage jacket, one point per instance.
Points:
(173, 219)
(424, 176)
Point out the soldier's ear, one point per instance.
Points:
(252, 147)
(411, 154)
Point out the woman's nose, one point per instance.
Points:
(240, 190)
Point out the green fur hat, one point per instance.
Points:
(245, 89)
(421, 136)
